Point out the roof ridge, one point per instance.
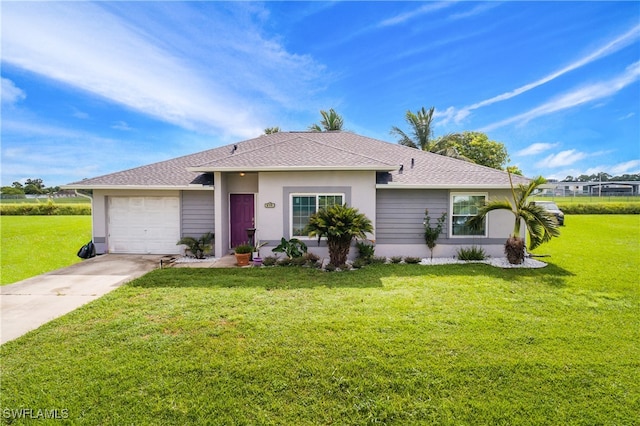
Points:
(293, 135)
(350, 151)
(243, 152)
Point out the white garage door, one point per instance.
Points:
(147, 225)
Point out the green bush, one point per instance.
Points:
(600, 208)
(269, 261)
(396, 259)
(359, 263)
(45, 209)
(472, 253)
(366, 250)
(412, 260)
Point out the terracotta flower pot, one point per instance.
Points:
(242, 259)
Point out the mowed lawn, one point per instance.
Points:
(389, 344)
(32, 245)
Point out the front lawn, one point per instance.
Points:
(32, 245)
(390, 344)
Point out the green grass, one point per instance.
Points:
(589, 199)
(32, 245)
(61, 200)
(388, 344)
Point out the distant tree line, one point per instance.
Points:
(29, 187)
(602, 177)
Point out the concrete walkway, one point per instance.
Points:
(28, 304)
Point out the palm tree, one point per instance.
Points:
(271, 130)
(340, 225)
(542, 225)
(331, 120)
(421, 133)
(420, 128)
(198, 247)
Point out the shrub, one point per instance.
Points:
(365, 250)
(285, 261)
(45, 209)
(412, 260)
(298, 261)
(312, 260)
(269, 261)
(359, 263)
(378, 260)
(243, 248)
(472, 253)
(198, 247)
(431, 234)
(396, 259)
(330, 267)
(600, 208)
(292, 248)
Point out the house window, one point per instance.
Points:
(463, 207)
(304, 205)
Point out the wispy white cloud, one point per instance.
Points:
(576, 97)
(121, 125)
(625, 117)
(422, 10)
(477, 10)
(206, 86)
(561, 159)
(34, 149)
(535, 149)
(627, 167)
(80, 114)
(10, 92)
(623, 40)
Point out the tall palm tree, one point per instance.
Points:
(331, 120)
(421, 134)
(420, 129)
(542, 225)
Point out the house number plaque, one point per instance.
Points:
(270, 205)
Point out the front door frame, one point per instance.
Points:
(244, 224)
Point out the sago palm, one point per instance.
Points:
(197, 246)
(542, 226)
(340, 225)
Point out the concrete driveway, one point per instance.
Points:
(28, 304)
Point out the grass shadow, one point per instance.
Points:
(368, 277)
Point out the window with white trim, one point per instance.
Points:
(463, 207)
(304, 205)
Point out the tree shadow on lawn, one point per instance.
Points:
(369, 277)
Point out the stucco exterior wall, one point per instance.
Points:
(275, 188)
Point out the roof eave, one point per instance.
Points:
(442, 186)
(205, 169)
(147, 187)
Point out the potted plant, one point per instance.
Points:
(256, 249)
(243, 254)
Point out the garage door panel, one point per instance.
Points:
(144, 225)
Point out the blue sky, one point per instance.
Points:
(93, 88)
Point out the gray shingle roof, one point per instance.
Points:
(310, 151)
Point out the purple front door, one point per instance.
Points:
(242, 217)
